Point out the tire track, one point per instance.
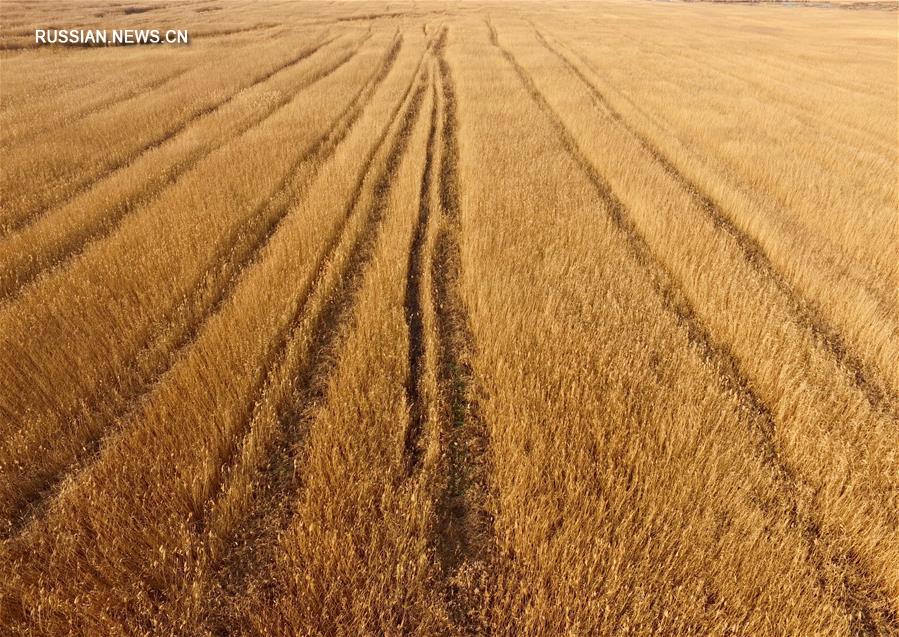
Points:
(374, 16)
(38, 264)
(93, 110)
(801, 112)
(840, 573)
(414, 305)
(178, 332)
(825, 249)
(878, 393)
(247, 242)
(251, 551)
(234, 31)
(463, 534)
(124, 162)
(275, 360)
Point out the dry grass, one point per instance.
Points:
(369, 319)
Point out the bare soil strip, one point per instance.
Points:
(841, 574)
(876, 391)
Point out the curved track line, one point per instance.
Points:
(864, 613)
(40, 263)
(185, 323)
(825, 249)
(315, 288)
(413, 308)
(120, 164)
(877, 393)
(76, 117)
(220, 33)
(278, 480)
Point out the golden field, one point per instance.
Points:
(414, 318)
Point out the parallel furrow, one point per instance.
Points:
(120, 164)
(877, 392)
(865, 601)
(182, 326)
(235, 31)
(103, 105)
(41, 262)
(276, 360)
(277, 481)
(804, 112)
(828, 251)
